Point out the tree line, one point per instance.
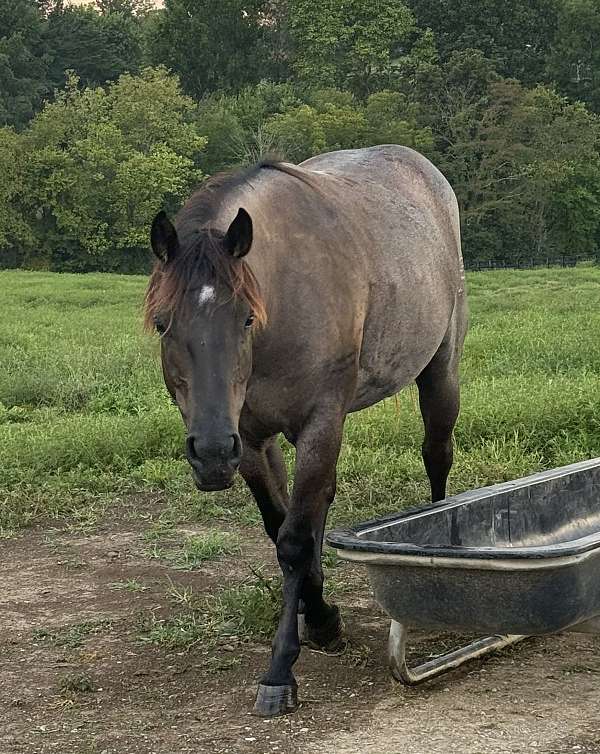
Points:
(112, 110)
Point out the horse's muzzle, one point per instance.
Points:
(214, 462)
(212, 486)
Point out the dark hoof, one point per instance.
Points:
(328, 636)
(272, 701)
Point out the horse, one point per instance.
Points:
(285, 297)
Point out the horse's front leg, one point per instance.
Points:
(299, 551)
(263, 470)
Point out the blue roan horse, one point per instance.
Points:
(286, 297)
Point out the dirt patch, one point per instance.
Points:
(75, 677)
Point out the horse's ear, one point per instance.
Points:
(238, 238)
(163, 237)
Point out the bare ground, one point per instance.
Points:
(64, 625)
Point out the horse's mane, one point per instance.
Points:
(201, 258)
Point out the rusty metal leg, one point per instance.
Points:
(443, 663)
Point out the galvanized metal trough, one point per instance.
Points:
(514, 560)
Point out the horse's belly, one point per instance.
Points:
(371, 391)
(397, 346)
(387, 374)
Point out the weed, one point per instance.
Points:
(78, 682)
(221, 664)
(74, 636)
(181, 595)
(247, 611)
(197, 549)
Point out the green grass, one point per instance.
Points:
(246, 611)
(84, 416)
(198, 549)
(72, 637)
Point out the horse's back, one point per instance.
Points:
(396, 169)
(403, 208)
(407, 215)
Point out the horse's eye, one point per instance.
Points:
(249, 321)
(160, 327)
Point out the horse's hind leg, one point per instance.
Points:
(439, 401)
(263, 469)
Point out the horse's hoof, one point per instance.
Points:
(327, 637)
(272, 701)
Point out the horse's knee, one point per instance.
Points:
(295, 551)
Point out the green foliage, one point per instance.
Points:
(111, 42)
(475, 86)
(574, 60)
(126, 7)
(392, 119)
(236, 125)
(72, 637)
(517, 36)
(104, 161)
(198, 549)
(249, 610)
(298, 133)
(40, 42)
(296, 124)
(14, 228)
(224, 134)
(214, 44)
(523, 162)
(336, 121)
(348, 45)
(23, 64)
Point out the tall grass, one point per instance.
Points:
(84, 414)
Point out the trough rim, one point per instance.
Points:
(352, 543)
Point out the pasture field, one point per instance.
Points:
(84, 414)
(130, 600)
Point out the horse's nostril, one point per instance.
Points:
(236, 449)
(190, 444)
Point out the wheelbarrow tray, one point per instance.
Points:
(522, 557)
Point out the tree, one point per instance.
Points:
(392, 119)
(559, 150)
(15, 231)
(525, 167)
(23, 66)
(125, 7)
(212, 44)
(516, 36)
(333, 119)
(236, 125)
(574, 60)
(298, 133)
(348, 45)
(102, 163)
(112, 44)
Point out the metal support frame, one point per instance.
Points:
(443, 663)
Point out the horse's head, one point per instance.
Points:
(204, 302)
